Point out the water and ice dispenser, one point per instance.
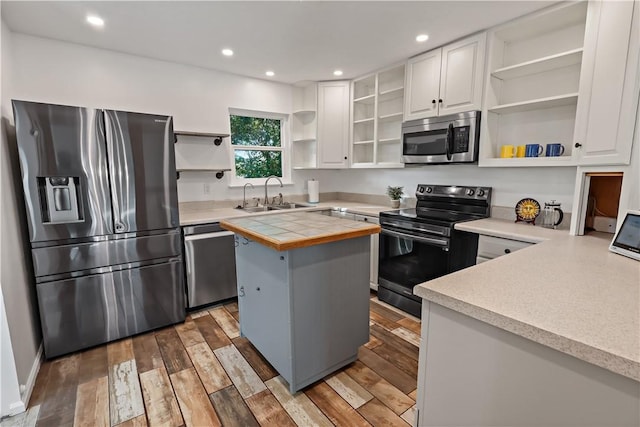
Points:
(61, 199)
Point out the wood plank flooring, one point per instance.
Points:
(203, 373)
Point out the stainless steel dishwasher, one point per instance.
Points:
(210, 256)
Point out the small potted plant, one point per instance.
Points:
(394, 194)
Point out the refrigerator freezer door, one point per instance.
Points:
(86, 311)
(79, 259)
(63, 148)
(143, 171)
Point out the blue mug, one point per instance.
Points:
(533, 150)
(555, 150)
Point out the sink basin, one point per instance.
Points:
(256, 209)
(288, 206)
(284, 206)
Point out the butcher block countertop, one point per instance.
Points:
(568, 293)
(295, 230)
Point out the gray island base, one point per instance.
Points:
(305, 309)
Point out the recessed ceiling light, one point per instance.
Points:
(337, 73)
(227, 52)
(96, 21)
(270, 73)
(422, 38)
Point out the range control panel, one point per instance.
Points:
(425, 191)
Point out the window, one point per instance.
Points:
(258, 142)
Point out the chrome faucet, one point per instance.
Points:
(266, 197)
(244, 194)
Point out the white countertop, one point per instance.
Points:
(568, 293)
(194, 217)
(511, 230)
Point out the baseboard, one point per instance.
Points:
(31, 380)
(16, 408)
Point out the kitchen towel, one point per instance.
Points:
(314, 191)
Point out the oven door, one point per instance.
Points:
(408, 259)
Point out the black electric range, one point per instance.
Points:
(420, 244)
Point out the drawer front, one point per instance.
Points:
(86, 256)
(86, 311)
(493, 247)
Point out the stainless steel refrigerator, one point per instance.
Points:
(102, 211)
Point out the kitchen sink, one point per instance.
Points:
(287, 206)
(284, 206)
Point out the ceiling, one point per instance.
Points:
(298, 40)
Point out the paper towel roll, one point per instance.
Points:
(314, 191)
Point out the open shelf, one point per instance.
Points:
(388, 140)
(200, 134)
(369, 99)
(393, 116)
(368, 119)
(301, 140)
(363, 142)
(203, 170)
(391, 93)
(529, 162)
(540, 65)
(536, 104)
(304, 112)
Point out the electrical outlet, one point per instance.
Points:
(602, 223)
(206, 188)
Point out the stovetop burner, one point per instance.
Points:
(445, 205)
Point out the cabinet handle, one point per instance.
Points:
(577, 145)
(258, 289)
(433, 101)
(507, 251)
(440, 101)
(345, 157)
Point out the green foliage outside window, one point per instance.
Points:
(259, 132)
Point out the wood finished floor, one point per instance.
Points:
(202, 373)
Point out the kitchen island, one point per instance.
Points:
(548, 335)
(303, 290)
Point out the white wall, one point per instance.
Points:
(15, 274)
(509, 184)
(199, 99)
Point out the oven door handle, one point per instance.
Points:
(438, 242)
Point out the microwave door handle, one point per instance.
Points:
(449, 142)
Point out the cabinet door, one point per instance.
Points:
(461, 75)
(422, 84)
(333, 124)
(608, 97)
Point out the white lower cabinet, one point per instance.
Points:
(375, 247)
(490, 247)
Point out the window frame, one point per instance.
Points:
(237, 181)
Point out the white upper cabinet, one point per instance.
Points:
(422, 85)
(609, 85)
(461, 76)
(446, 80)
(333, 124)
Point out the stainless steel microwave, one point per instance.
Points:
(445, 139)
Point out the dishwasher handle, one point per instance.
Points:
(208, 235)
